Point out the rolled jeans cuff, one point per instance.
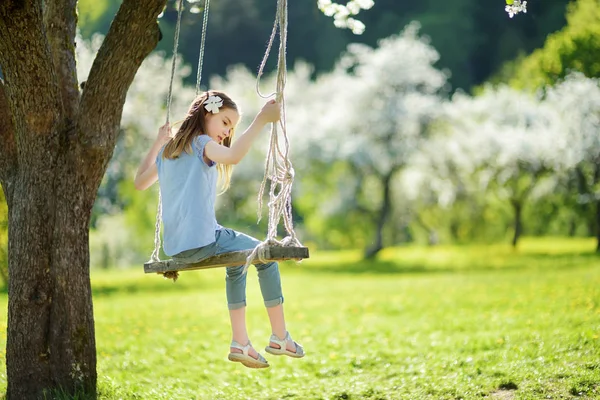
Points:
(235, 306)
(274, 302)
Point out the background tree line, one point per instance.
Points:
(473, 38)
(418, 164)
(341, 203)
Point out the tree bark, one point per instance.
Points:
(384, 212)
(55, 148)
(60, 21)
(8, 155)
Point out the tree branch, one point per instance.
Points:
(30, 88)
(60, 20)
(8, 155)
(132, 36)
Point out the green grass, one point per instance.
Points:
(450, 322)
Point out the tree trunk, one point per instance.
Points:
(384, 212)
(56, 144)
(572, 227)
(518, 209)
(595, 181)
(50, 341)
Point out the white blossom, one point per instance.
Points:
(514, 7)
(371, 112)
(343, 14)
(213, 104)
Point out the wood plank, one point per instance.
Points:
(272, 253)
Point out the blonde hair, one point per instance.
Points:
(193, 125)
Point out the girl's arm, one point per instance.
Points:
(234, 154)
(147, 173)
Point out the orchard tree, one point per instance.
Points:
(446, 186)
(57, 139)
(577, 101)
(371, 113)
(514, 141)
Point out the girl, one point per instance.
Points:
(186, 166)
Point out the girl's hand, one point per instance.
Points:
(271, 112)
(164, 133)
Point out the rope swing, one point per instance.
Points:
(278, 170)
(278, 166)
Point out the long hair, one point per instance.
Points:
(194, 125)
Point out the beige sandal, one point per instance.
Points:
(282, 350)
(245, 358)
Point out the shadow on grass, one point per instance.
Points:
(507, 262)
(148, 285)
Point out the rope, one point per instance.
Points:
(278, 167)
(202, 41)
(155, 253)
(174, 61)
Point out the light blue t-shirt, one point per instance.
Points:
(188, 189)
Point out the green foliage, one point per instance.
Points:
(485, 218)
(95, 15)
(480, 218)
(336, 225)
(573, 48)
(443, 322)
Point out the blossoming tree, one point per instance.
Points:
(57, 138)
(512, 142)
(576, 100)
(371, 113)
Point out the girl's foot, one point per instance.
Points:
(286, 346)
(251, 352)
(246, 355)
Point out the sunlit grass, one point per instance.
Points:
(447, 322)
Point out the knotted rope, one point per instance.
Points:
(278, 167)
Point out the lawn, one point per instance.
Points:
(450, 322)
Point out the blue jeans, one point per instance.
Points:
(235, 280)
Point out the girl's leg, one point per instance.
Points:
(278, 328)
(239, 332)
(270, 286)
(268, 274)
(235, 284)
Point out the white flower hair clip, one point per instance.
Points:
(213, 104)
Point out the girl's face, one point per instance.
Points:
(219, 126)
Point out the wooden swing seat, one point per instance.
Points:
(271, 253)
